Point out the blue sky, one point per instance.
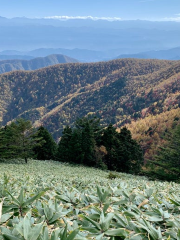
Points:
(124, 9)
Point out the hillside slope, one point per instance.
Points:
(117, 91)
(73, 195)
(151, 130)
(33, 64)
(170, 54)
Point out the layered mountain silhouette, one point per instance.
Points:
(83, 55)
(12, 57)
(170, 54)
(33, 64)
(112, 37)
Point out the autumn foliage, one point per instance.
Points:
(141, 94)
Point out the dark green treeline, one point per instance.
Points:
(86, 143)
(89, 144)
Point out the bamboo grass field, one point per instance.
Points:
(46, 200)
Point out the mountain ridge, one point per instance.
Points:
(169, 54)
(11, 57)
(125, 40)
(83, 55)
(100, 23)
(118, 91)
(35, 63)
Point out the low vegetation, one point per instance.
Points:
(51, 201)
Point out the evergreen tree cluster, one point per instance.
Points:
(166, 164)
(20, 140)
(91, 145)
(86, 143)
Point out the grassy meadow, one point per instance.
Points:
(46, 200)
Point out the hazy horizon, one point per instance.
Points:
(152, 10)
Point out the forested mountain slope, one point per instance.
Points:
(151, 131)
(117, 91)
(33, 64)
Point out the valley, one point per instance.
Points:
(143, 95)
(117, 91)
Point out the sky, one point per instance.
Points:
(112, 9)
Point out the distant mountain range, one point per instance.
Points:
(12, 57)
(33, 64)
(83, 55)
(92, 56)
(105, 39)
(170, 54)
(90, 23)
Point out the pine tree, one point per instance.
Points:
(78, 145)
(75, 147)
(88, 145)
(129, 152)
(123, 153)
(64, 151)
(47, 147)
(94, 122)
(19, 139)
(89, 131)
(8, 135)
(110, 141)
(168, 157)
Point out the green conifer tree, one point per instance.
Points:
(89, 131)
(88, 145)
(7, 139)
(123, 153)
(64, 151)
(75, 147)
(110, 141)
(19, 139)
(168, 157)
(47, 147)
(129, 153)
